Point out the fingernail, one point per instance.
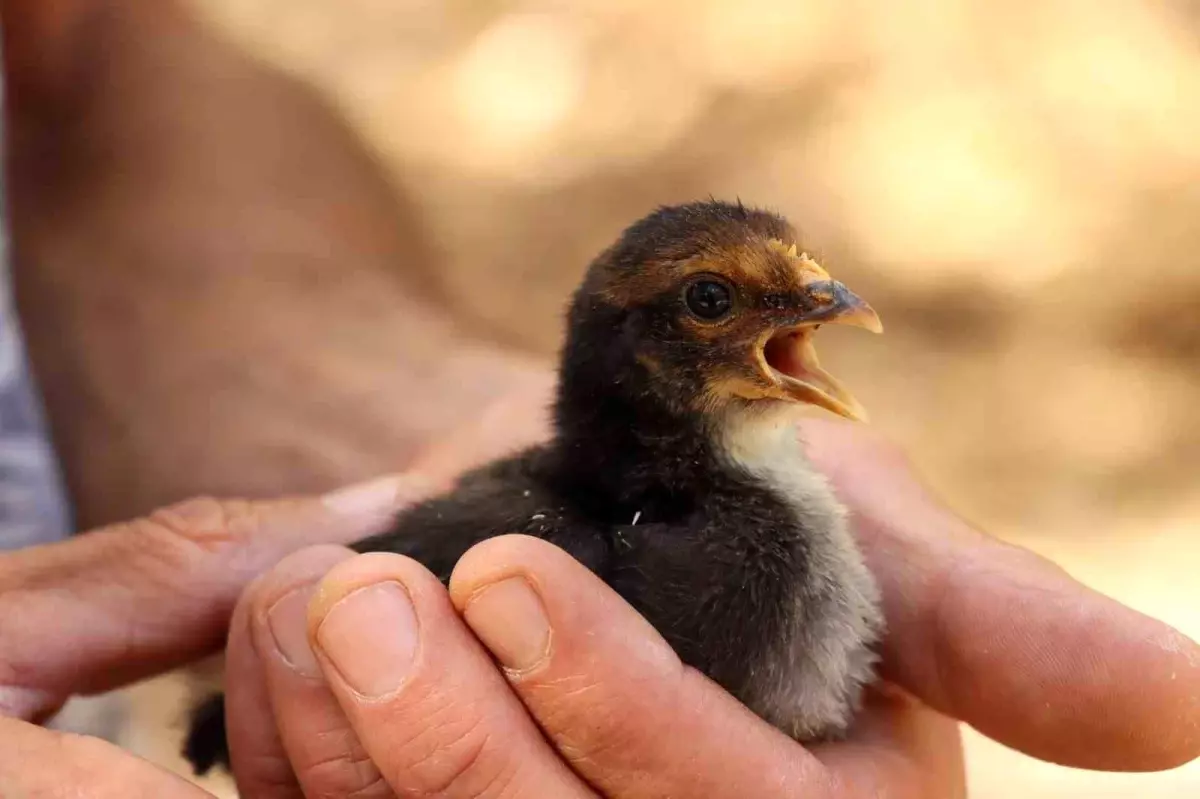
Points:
(381, 496)
(370, 636)
(287, 620)
(509, 618)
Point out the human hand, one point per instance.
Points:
(135, 599)
(361, 675)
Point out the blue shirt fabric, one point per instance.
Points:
(33, 505)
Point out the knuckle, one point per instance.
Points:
(269, 774)
(173, 552)
(589, 719)
(208, 523)
(350, 774)
(453, 753)
(177, 538)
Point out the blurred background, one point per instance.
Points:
(1015, 187)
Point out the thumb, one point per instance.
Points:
(134, 599)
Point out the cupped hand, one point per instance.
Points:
(140, 598)
(137, 599)
(361, 675)
(1005, 640)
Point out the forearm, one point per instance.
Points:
(248, 388)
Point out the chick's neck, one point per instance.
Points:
(619, 441)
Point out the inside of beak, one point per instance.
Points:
(792, 361)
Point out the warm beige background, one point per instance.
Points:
(1014, 186)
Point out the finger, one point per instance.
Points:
(609, 692)
(898, 749)
(423, 696)
(36, 762)
(257, 758)
(288, 736)
(1003, 639)
(118, 604)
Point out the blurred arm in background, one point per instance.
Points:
(215, 277)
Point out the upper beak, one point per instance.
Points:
(835, 304)
(791, 359)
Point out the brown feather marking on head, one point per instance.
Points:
(642, 288)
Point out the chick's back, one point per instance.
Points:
(508, 496)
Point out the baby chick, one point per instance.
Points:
(675, 473)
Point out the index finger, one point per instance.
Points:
(109, 607)
(995, 635)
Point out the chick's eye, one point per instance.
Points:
(709, 299)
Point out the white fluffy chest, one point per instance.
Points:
(809, 683)
(769, 448)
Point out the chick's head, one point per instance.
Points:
(711, 306)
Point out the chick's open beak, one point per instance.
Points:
(791, 360)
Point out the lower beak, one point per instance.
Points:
(791, 359)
